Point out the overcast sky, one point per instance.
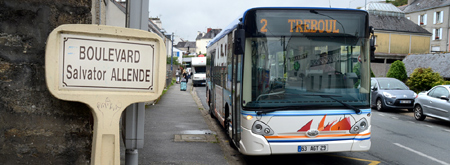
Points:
(186, 17)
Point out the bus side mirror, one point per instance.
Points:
(372, 44)
(239, 41)
(372, 49)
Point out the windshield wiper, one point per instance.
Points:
(358, 111)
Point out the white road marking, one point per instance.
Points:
(381, 114)
(395, 118)
(411, 122)
(446, 130)
(422, 154)
(429, 126)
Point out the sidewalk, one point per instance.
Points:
(177, 133)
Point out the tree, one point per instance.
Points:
(397, 71)
(175, 61)
(423, 79)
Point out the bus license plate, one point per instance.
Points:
(405, 101)
(313, 148)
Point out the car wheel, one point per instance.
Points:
(380, 105)
(418, 113)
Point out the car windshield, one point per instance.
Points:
(391, 84)
(200, 69)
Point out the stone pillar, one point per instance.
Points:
(35, 127)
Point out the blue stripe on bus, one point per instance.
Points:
(308, 112)
(316, 140)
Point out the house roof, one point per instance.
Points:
(438, 62)
(421, 5)
(199, 36)
(402, 8)
(211, 34)
(187, 44)
(382, 7)
(395, 23)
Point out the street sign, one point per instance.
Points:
(106, 63)
(108, 68)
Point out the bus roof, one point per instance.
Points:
(236, 21)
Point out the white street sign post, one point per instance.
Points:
(108, 68)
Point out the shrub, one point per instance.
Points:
(397, 71)
(423, 79)
(175, 60)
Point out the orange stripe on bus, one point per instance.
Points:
(337, 135)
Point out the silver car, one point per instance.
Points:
(391, 93)
(434, 103)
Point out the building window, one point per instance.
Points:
(435, 49)
(438, 17)
(422, 19)
(437, 34)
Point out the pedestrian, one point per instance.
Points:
(177, 74)
(185, 76)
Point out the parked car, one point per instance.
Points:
(391, 93)
(434, 103)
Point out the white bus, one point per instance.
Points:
(293, 80)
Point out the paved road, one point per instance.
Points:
(397, 138)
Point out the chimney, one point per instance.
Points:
(209, 29)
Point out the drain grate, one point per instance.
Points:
(195, 138)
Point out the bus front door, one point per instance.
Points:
(236, 99)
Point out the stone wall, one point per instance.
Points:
(380, 69)
(36, 127)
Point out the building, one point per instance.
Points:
(178, 53)
(433, 16)
(112, 13)
(203, 39)
(395, 36)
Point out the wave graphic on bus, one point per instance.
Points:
(340, 125)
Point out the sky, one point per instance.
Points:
(185, 18)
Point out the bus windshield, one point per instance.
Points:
(299, 67)
(304, 72)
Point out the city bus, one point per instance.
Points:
(287, 80)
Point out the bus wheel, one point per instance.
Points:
(210, 109)
(211, 112)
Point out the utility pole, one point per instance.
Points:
(171, 57)
(134, 117)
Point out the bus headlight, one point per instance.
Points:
(261, 128)
(360, 126)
